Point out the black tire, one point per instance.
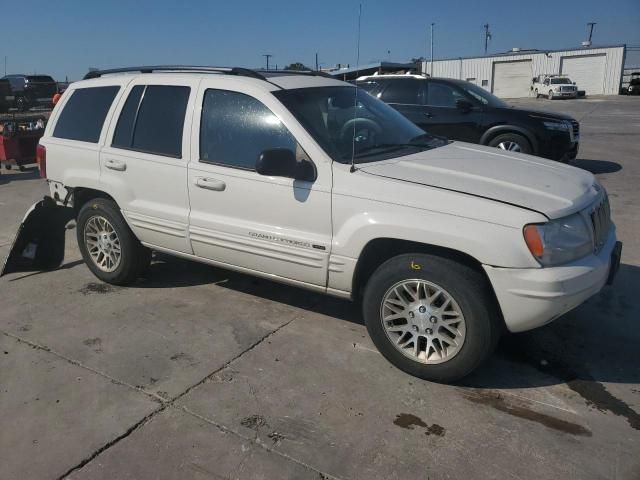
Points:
(135, 258)
(523, 143)
(537, 94)
(550, 96)
(470, 290)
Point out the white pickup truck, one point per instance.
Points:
(309, 181)
(554, 86)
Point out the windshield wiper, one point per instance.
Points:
(390, 147)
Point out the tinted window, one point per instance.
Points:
(40, 79)
(405, 91)
(123, 137)
(84, 114)
(371, 86)
(442, 95)
(235, 128)
(159, 121)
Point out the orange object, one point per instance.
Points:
(533, 240)
(56, 98)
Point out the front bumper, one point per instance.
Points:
(533, 297)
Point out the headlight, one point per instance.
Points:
(559, 241)
(560, 125)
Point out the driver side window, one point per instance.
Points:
(236, 128)
(442, 95)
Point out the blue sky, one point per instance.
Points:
(75, 35)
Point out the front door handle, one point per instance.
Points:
(114, 164)
(210, 184)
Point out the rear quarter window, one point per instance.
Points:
(84, 113)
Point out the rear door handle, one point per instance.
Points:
(210, 184)
(114, 164)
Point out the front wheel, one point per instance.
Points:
(431, 317)
(108, 246)
(536, 94)
(511, 142)
(550, 95)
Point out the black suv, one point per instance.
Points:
(5, 91)
(30, 91)
(460, 110)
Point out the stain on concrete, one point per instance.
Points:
(92, 342)
(94, 287)
(436, 430)
(276, 437)
(497, 401)
(253, 422)
(25, 328)
(408, 421)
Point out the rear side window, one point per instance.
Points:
(236, 128)
(152, 120)
(406, 91)
(83, 115)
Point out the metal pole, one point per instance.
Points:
(267, 56)
(317, 62)
(591, 25)
(431, 66)
(5, 64)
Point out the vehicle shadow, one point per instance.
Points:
(596, 342)
(597, 166)
(172, 272)
(29, 173)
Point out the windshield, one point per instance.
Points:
(370, 131)
(482, 95)
(558, 81)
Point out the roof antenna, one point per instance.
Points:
(355, 100)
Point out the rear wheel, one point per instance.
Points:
(431, 317)
(108, 246)
(511, 142)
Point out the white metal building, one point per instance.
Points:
(596, 70)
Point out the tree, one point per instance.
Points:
(297, 66)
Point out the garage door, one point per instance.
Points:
(587, 71)
(512, 79)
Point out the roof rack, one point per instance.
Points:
(242, 72)
(314, 73)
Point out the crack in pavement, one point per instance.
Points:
(165, 403)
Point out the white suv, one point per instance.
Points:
(305, 180)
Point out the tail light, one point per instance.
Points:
(41, 158)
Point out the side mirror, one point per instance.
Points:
(464, 105)
(281, 162)
(574, 83)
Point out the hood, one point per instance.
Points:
(539, 114)
(547, 187)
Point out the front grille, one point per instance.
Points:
(576, 128)
(600, 221)
(568, 89)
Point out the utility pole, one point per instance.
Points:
(590, 25)
(267, 56)
(5, 64)
(317, 69)
(431, 63)
(487, 37)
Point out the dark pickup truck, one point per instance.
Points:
(30, 91)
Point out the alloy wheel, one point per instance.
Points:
(423, 321)
(102, 243)
(511, 146)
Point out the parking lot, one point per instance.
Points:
(197, 372)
